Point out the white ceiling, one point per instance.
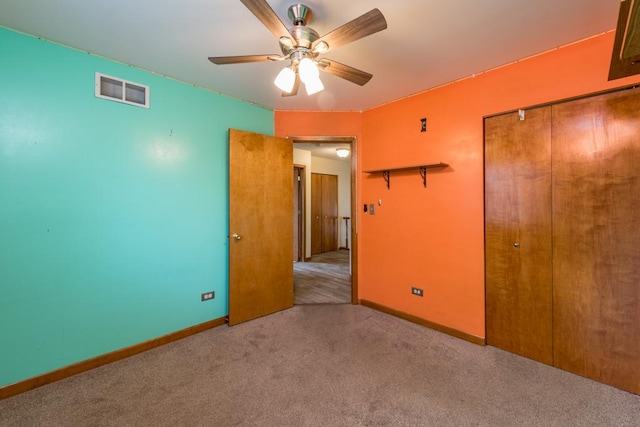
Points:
(427, 42)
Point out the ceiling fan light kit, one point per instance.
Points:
(286, 79)
(308, 70)
(302, 45)
(314, 86)
(310, 76)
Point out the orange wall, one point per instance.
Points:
(433, 238)
(309, 123)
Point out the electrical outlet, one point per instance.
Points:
(207, 296)
(417, 291)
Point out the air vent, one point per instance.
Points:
(115, 89)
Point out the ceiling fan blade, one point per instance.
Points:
(266, 15)
(296, 85)
(222, 60)
(365, 25)
(344, 71)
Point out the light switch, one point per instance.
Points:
(372, 209)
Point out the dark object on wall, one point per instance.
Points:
(625, 59)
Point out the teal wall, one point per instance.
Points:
(113, 218)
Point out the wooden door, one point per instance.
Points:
(260, 200)
(316, 214)
(298, 211)
(596, 238)
(329, 213)
(518, 233)
(324, 213)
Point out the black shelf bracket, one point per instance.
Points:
(387, 177)
(423, 174)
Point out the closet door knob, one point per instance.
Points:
(516, 244)
(237, 236)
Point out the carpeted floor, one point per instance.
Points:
(323, 365)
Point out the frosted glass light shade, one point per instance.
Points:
(308, 70)
(285, 79)
(313, 86)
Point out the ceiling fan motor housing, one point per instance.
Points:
(300, 14)
(304, 36)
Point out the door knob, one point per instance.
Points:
(516, 244)
(237, 236)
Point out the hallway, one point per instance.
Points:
(325, 279)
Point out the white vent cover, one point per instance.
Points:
(115, 89)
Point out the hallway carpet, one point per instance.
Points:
(323, 365)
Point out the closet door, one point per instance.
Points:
(324, 213)
(329, 213)
(316, 214)
(518, 233)
(596, 238)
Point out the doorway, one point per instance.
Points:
(327, 275)
(299, 173)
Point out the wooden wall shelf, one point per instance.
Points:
(386, 172)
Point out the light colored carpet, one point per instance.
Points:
(323, 365)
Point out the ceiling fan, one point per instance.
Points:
(302, 45)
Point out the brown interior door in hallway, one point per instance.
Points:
(324, 213)
(260, 201)
(298, 214)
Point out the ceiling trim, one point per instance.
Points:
(322, 139)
